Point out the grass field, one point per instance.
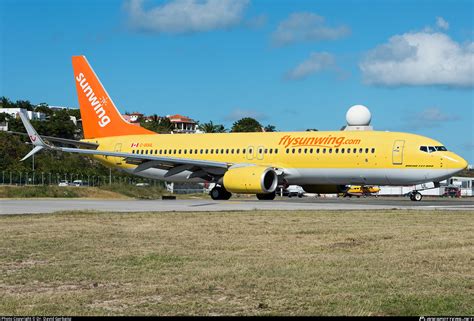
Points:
(114, 191)
(238, 263)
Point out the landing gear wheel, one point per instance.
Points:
(416, 196)
(219, 193)
(266, 197)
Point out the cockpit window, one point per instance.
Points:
(431, 149)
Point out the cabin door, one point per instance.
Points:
(397, 152)
(118, 149)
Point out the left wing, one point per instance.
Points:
(208, 170)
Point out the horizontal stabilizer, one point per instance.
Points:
(32, 152)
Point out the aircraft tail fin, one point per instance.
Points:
(100, 117)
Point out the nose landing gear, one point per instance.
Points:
(415, 196)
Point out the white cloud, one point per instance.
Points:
(420, 58)
(317, 61)
(181, 16)
(306, 26)
(256, 22)
(441, 23)
(238, 113)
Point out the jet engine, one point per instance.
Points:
(250, 179)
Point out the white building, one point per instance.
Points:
(32, 115)
(13, 112)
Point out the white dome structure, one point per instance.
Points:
(358, 115)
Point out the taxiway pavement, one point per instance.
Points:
(37, 206)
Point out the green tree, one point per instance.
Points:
(6, 103)
(210, 127)
(161, 125)
(246, 124)
(270, 128)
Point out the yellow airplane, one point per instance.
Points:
(361, 190)
(251, 163)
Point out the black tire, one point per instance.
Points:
(417, 197)
(219, 193)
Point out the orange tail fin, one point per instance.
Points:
(100, 117)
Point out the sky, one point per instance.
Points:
(292, 64)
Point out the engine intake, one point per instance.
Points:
(250, 179)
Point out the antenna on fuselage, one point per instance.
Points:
(358, 117)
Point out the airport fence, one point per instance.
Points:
(22, 178)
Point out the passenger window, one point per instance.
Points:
(200, 152)
(195, 151)
(287, 151)
(227, 151)
(354, 150)
(337, 150)
(293, 151)
(366, 150)
(299, 150)
(266, 151)
(276, 150)
(317, 151)
(146, 152)
(342, 150)
(222, 151)
(179, 151)
(232, 151)
(330, 150)
(360, 150)
(207, 151)
(190, 151)
(310, 150)
(348, 150)
(324, 150)
(373, 150)
(212, 151)
(217, 151)
(185, 151)
(259, 150)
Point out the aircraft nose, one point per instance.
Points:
(456, 161)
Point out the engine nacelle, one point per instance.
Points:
(250, 179)
(325, 189)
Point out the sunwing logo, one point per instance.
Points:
(96, 103)
(324, 141)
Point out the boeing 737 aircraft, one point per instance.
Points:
(251, 163)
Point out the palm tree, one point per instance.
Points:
(210, 127)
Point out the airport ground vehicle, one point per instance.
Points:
(452, 191)
(321, 162)
(290, 191)
(63, 183)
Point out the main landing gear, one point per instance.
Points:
(220, 193)
(415, 196)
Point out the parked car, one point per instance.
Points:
(142, 184)
(290, 191)
(63, 183)
(77, 182)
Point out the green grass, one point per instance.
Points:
(106, 191)
(238, 263)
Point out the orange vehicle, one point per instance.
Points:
(361, 190)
